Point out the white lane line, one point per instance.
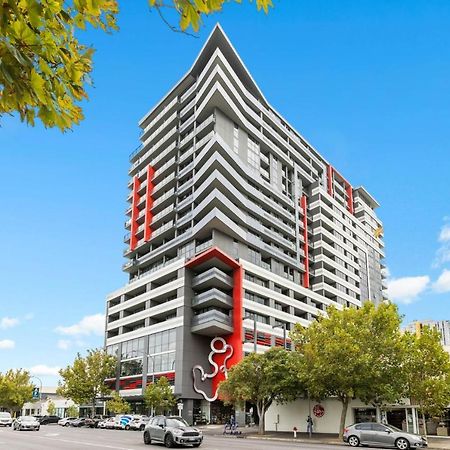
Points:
(85, 444)
(52, 434)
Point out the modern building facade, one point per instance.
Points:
(442, 326)
(236, 224)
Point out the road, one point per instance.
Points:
(59, 438)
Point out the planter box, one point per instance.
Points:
(442, 431)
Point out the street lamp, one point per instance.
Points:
(282, 325)
(255, 337)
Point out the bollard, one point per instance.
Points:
(295, 432)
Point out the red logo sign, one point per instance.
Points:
(318, 410)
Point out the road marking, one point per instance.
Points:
(85, 444)
(52, 434)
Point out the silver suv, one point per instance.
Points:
(171, 431)
(377, 434)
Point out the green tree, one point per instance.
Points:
(262, 379)
(84, 380)
(427, 369)
(117, 404)
(158, 396)
(72, 411)
(51, 408)
(353, 353)
(44, 68)
(15, 389)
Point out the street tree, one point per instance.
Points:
(51, 408)
(117, 404)
(263, 379)
(72, 411)
(45, 69)
(15, 389)
(84, 380)
(352, 353)
(158, 396)
(427, 369)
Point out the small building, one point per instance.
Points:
(40, 407)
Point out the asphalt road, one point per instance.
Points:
(61, 438)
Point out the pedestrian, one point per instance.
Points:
(309, 425)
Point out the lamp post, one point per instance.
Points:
(255, 332)
(282, 325)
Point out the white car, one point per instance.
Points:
(123, 421)
(26, 423)
(139, 422)
(5, 419)
(107, 423)
(66, 421)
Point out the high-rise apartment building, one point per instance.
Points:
(442, 326)
(235, 222)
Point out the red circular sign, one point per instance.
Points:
(318, 410)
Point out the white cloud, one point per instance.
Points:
(443, 252)
(88, 325)
(7, 344)
(42, 369)
(63, 344)
(407, 289)
(8, 322)
(443, 282)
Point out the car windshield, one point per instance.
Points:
(27, 419)
(5, 415)
(175, 423)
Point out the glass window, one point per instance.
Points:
(133, 367)
(363, 426)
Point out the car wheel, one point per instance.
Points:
(402, 444)
(353, 441)
(67, 424)
(127, 427)
(168, 441)
(142, 428)
(147, 438)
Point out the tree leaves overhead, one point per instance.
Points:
(43, 66)
(191, 11)
(15, 389)
(159, 396)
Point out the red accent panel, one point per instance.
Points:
(149, 203)
(349, 191)
(134, 212)
(236, 338)
(304, 205)
(330, 180)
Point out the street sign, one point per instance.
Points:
(36, 394)
(180, 407)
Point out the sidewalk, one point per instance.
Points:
(434, 443)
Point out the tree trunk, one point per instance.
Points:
(345, 403)
(424, 424)
(261, 415)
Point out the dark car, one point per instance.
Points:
(45, 420)
(92, 422)
(80, 422)
(171, 431)
(381, 435)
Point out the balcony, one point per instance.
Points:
(212, 297)
(213, 277)
(212, 323)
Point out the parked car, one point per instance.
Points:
(377, 434)
(5, 419)
(66, 421)
(93, 422)
(139, 423)
(122, 422)
(26, 423)
(171, 431)
(78, 423)
(45, 420)
(107, 423)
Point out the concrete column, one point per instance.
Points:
(188, 410)
(239, 415)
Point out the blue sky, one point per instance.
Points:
(367, 83)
